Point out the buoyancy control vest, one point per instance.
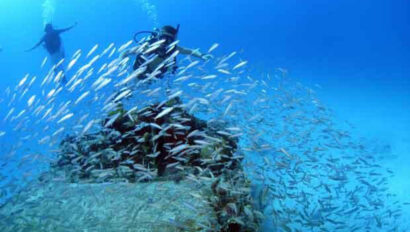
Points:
(163, 51)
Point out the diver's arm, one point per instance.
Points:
(67, 29)
(125, 54)
(129, 52)
(196, 53)
(35, 46)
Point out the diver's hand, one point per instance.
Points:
(207, 57)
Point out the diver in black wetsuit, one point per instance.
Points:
(161, 54)
(52, 43)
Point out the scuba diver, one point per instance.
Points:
(157, 54)
(53, 44)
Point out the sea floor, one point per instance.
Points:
(58, 206)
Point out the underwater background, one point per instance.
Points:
(354, 54)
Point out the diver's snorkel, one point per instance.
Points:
(153, 34)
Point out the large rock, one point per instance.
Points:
(143, 145)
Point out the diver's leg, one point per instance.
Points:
(56, 59)
(62, 56)
(63, 79)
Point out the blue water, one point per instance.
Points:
(354, 54)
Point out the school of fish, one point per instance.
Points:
(308, 172)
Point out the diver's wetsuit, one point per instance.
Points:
(52, 41)
(53, 44)
(162, 54)
(154, 59)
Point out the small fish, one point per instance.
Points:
(112, 120)
(164, 112)
(59, 63)
(31, 100)
(155, 125)
(124, 46)
(76, 53)
(87, 127)
(173, 44)
(192, 64)
(202, 142)
(92, 50)
(44, 140)
(8, 114)
(183, 78)
(123, 94)
(178, 148)
(48, 111)
(2, 133)
(228, 108)
(195, 133)
(58, 132)
(58, 77)
(20, 114)
(93, 60)
(76, 83)
(112, 52)
(196, 195)
(72, 63)
(241, 64)
(105, 82)
(209, 77)
(228, 57)
(224, 133)
(44, 62)
(81, 97)
(213, 47)
(158, 43)
(21, 83)
(286, 153)
(132, 76)
(32, 81)
(178, 93)
(152, 48)
(66, 117)
(153, 92)
(107, 49)
(224, 71)
(132, 110)
(171, 165)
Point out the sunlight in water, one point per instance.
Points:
(48, 11)
(150, 9)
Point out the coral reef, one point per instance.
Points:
(141, 146)
(162, 142)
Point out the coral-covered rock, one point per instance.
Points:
(157, 141)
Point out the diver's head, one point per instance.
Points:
(48, 27)
(169, 33)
